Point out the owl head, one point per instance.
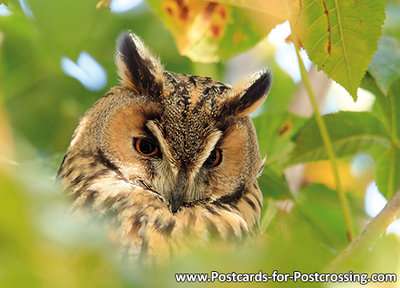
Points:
(187, 138)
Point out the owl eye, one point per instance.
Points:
(145, 147)
(214, 159)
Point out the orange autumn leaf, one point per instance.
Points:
(210, 31)
(196, 23)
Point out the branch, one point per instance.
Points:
(328, 146)
(370, 234)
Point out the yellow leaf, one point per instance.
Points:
(210, 31)
(321, 172)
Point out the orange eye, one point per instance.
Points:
(214, 159)
(145, 147)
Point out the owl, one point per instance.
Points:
(167, 158)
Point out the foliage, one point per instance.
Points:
(341, 37)
(383, 79)
(300, 230)
(351, 133)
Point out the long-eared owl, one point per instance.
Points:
(167, 157)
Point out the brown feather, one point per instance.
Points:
(106, 176)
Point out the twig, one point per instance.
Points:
(328, 147)
(370, 234)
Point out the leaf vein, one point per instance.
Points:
(315, 22)
(344, 46)
(317, 42)
(309, 5)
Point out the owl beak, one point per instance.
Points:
(176, 196)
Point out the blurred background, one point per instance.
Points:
(57, 59)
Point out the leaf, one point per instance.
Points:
(385, 66)
(275, 9)
(209, 31)
(388, 163)
(275, 132)
(381, 107)
(350, 132)
(388, 171)
(394, 96)
(321, 172)
(319, 205)
(340, 36)
(273, 184)
(383, 79)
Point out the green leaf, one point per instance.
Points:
(383, 72)
(383, 79)
(388, 163)
(394, 96)
(273, 184)
(319, 206)
(385, 66)
(209, 31)
(387, 172)
(350, 132)
(275, 132)
(340, 37)
(381, 107)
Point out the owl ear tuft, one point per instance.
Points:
(248, 96)
(138, 69)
